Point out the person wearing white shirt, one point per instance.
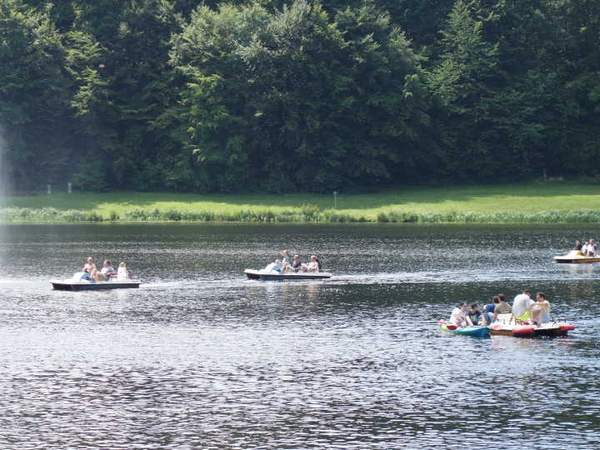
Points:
(108, 270)
(591, 248)
(459, 316)
(540, 311)
(122, 272)
(522, 305)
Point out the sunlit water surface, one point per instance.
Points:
(199, 357)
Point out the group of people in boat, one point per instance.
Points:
(91, 273)
(287, 264)
(524, 310)
(588, 248)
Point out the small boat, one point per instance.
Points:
(70, 285)
(271, 275)
(552, 329)
(506, 326)
(576, 257)
(475, 331)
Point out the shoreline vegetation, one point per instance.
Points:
(533, 203)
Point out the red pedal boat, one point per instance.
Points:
(506, 326)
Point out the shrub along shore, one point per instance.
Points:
(503, 204)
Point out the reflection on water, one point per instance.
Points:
(201, 358)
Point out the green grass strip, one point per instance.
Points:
(503, 204)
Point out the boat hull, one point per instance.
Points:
(258, 275)
(475, 331)
(581, 260)
(530, 331)
(78, 286)
(576, 257)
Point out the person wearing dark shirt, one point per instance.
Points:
(488, 310)
(474, 314)
(296, 263)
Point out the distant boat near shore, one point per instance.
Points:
(272, 276)
(98, 286)
(576, 257)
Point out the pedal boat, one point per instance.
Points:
(576, 257)
(506, 326)
(70, 285)
(475, 331)
(271, 276)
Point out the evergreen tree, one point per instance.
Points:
(464, 80)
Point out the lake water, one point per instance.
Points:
(199, 357)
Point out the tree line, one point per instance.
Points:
(282, 96)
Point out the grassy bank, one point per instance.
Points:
(528, 203)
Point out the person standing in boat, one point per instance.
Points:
(522, 305)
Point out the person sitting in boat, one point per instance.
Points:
(89, 272)
(275, 266)
(488, 310)
(285, 261)
(89, 265)
(590, 248)
(122, 272)
(522, 305)
(475, 315)
(578, 246)
(501, 307)
(297, 265)
(459, 316)
(540, 310)
(313, 265)
(83, 276)
(108, 270)
(98, 276)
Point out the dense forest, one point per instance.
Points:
(282, 96)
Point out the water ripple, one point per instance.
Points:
(201, 358)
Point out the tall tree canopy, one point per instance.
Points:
(293, 99)
(279, 95)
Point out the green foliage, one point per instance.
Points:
(296, 95)
(50, 215)
(289, 99)
(529, 203)
(33, 92)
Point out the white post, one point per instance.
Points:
(334, 199)
(69, 187)
(49, 186)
